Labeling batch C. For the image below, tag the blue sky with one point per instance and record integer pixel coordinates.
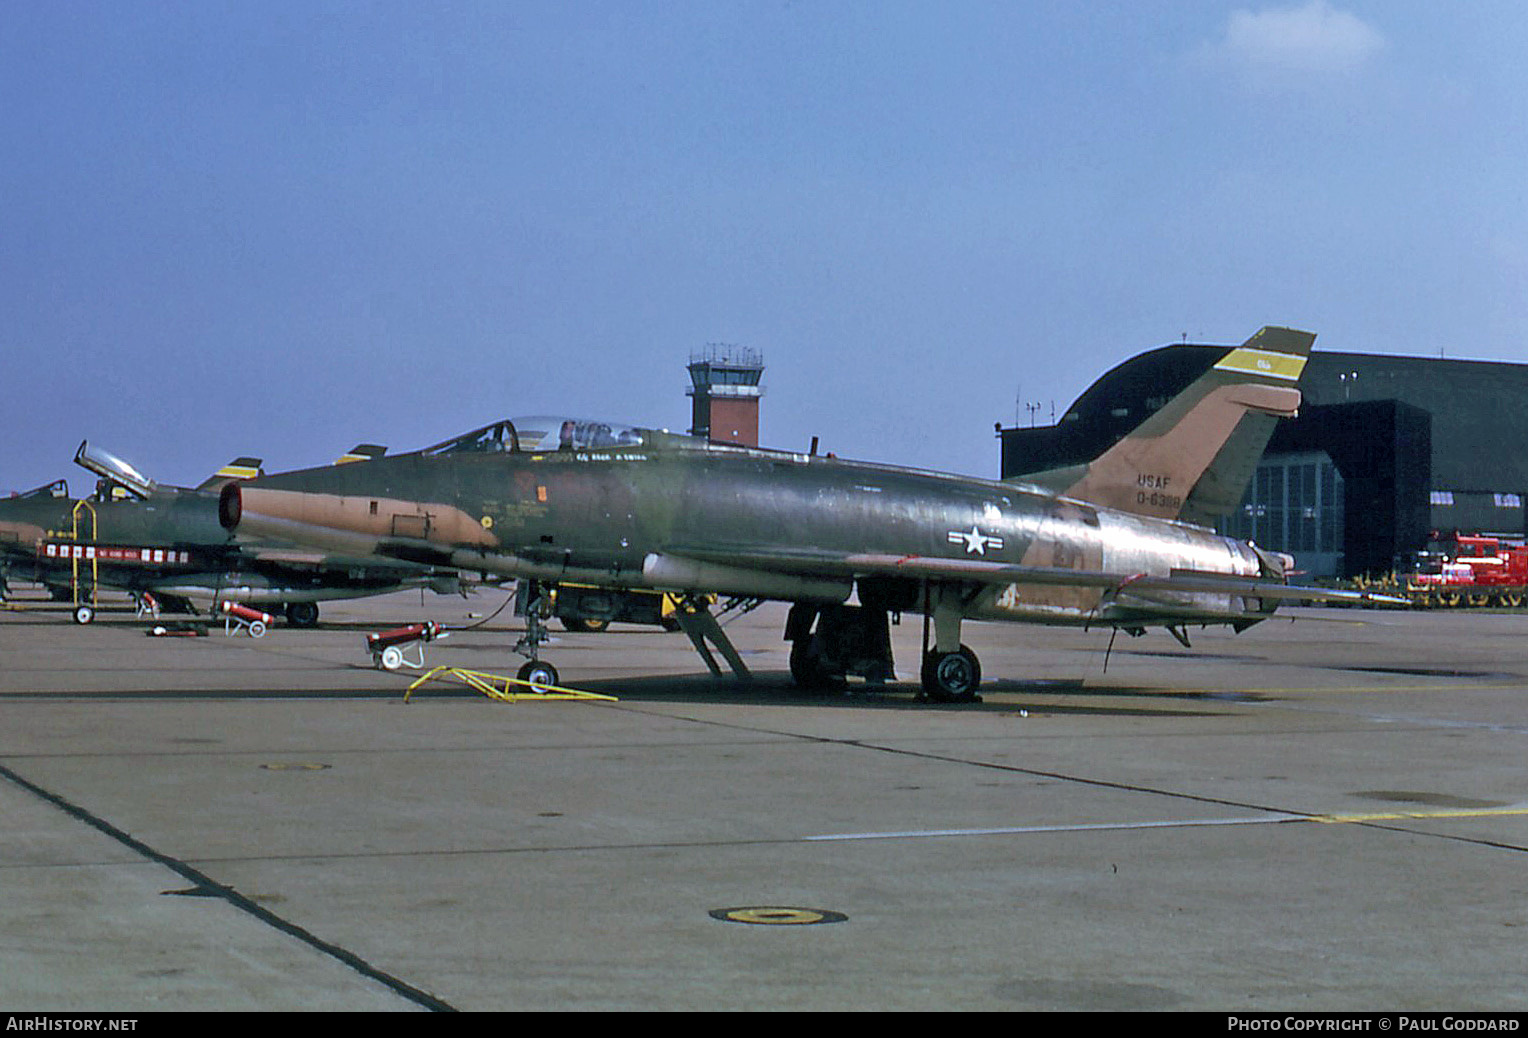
(284, 228)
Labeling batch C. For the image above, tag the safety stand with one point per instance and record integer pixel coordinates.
(242, 618)
(390, 649)
(148, 606)
(507, 689)
(696, 621)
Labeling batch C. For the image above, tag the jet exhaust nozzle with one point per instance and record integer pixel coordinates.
(230, 507)
(263, 513)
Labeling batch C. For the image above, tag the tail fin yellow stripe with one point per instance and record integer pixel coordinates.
(1247, 361)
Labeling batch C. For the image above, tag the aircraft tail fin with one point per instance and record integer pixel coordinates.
(361, 452)
(238, 468)
(1192, 460)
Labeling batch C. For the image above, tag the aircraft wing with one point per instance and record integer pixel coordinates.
(979, 571)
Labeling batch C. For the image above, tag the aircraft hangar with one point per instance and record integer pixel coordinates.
(1386, 451)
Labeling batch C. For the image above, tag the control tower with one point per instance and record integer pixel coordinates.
(725, 391)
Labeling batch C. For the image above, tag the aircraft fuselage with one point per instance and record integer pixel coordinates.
(737, 521)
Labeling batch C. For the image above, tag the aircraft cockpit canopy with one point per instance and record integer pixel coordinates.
(57, 488)
(541, 433)
(114, 470)
(490, 439)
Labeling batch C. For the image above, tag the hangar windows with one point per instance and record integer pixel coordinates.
(1294, 504)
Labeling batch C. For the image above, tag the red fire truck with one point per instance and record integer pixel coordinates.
(1459, 569)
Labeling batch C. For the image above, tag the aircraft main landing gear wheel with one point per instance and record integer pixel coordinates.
(809, 667)
(83, 614)
(302, 614)
(539, 675)
(952, 677)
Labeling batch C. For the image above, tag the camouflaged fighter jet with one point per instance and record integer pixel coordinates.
(164, 544)
(1117, 543)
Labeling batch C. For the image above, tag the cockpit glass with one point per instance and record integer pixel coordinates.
(541, 433)
(498, 437)
(57, 488)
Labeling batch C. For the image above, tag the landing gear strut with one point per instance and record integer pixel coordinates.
(849, 640)
(951, 672)
(537, 606)
(857, 640)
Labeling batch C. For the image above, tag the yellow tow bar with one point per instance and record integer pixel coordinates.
(497, 686)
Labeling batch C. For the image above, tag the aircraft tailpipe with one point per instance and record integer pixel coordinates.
(374, 519)
(287, 515)
(1275, 565)
(230, 507)
(671, 573)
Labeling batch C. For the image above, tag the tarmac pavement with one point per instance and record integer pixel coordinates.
(1324, 813)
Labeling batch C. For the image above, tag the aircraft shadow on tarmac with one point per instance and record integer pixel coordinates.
(776, 689)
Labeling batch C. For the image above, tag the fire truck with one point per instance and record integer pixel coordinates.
(1464, 570)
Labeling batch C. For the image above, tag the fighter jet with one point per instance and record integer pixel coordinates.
(164, 542)
(1119, 543)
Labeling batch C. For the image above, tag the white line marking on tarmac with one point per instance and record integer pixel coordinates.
(1273, 818)
(916, 834)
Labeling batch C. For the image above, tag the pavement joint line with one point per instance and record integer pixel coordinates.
(205, 885)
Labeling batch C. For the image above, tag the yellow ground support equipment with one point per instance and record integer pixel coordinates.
(506, 689)
(84, 599)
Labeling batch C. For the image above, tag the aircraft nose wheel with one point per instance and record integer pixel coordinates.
(539, 675)
(952, 677)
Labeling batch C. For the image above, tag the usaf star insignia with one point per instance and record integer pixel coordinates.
(975, 541)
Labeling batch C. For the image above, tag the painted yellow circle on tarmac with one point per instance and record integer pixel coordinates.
(776, 915)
